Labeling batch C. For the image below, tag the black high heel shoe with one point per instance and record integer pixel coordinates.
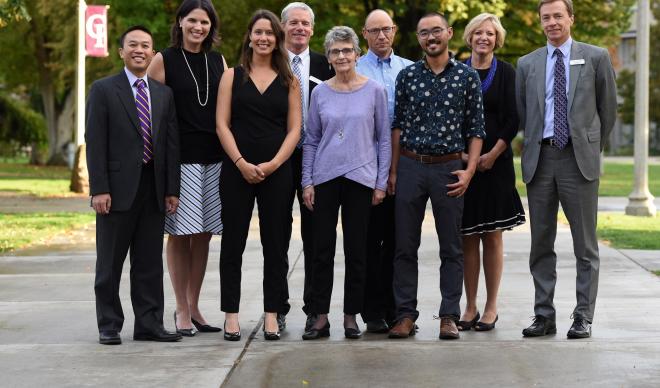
(313, 333)
(235, 336)
(205, 328)
(352, 333)
(271, 335)
(467, 325)
(481, 326)
(184, 332)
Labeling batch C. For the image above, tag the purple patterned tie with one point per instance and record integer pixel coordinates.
(142, 104)
(561, 102)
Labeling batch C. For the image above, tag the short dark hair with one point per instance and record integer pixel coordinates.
(176, 33)
(134, 28)
(434, 14)
(567, 3)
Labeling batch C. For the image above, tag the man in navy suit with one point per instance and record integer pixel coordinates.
(133, 160)
(311, 69)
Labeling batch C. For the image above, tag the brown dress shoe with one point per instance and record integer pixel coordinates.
(448, 329)
(403, 329)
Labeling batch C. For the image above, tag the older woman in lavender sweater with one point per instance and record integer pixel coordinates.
(346, 159)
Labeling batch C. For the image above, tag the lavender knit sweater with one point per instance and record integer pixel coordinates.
(347, 135)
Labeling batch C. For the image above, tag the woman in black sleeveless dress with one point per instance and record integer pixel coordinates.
(492, 203)
(258, 122)
(193, 72)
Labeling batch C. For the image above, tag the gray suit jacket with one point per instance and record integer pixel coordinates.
(591, 106)
(115, 145)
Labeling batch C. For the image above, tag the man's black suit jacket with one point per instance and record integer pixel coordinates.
(318, 68)
(115, 145)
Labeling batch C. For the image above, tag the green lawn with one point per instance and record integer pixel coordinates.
(627, 232)
(617, 181)
(623, 231)
(41, 181)
(20, 230)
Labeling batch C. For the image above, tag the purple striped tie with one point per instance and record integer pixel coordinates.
(142, 104)
(561, 131)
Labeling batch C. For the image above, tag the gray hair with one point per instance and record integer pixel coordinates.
(284, 17)
(341, 34)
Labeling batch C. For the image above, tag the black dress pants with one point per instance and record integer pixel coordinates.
(378, 294)
(355, 202)
(306, 232)
(140, 229)
(238, 197)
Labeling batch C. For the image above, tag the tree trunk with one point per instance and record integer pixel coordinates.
(46, 88)
(65, 124)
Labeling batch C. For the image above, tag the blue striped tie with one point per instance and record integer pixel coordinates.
(142, 104)
(297, 61)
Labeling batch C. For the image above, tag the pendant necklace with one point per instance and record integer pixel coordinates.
(206, 63)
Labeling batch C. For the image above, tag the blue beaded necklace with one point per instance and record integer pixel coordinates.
(485, 84)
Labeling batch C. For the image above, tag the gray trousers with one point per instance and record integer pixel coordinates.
(416, 183)
(558, 179)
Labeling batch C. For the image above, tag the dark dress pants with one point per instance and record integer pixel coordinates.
(558, 179)
(416, 183)
(378, 294)
(355, 202)
(306, 232)
(238, 197)
(140, 229)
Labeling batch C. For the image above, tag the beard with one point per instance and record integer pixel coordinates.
(435, 52)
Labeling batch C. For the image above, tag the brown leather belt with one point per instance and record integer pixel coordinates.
(430, 159)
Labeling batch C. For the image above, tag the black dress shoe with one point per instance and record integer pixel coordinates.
(581, 328)
(281, 322)
(184, 332)
(541, 326)
(313, 333)
(467, 325)
(311, 320)
(235, 336)
(482, 326)
(352, 333)
(205, 328)
(377, 326)
(109, 337)
(158, 335)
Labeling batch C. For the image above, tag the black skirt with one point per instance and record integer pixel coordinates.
(492, 201)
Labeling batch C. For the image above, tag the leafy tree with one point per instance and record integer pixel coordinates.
(12, 10)
(39, 54)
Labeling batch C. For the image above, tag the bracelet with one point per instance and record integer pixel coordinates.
(308, 186)
(236, 161)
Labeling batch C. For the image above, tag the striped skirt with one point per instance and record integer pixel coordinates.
(199, 201)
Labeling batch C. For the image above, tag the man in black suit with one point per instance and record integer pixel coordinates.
(133, 160)
(311, 69)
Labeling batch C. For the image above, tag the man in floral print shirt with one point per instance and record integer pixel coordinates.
(438, 111)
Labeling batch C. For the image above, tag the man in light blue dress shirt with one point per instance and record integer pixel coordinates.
(381, 65)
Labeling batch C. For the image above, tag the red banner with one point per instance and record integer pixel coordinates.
(96, 31)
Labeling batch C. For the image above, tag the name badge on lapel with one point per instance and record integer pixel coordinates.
(576, 62)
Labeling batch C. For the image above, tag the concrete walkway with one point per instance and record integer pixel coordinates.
(48, 330)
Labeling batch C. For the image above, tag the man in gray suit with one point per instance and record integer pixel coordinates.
(566, 95)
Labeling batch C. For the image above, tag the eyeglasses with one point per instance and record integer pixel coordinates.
(345, 51)
(437, 31)
(376, 31)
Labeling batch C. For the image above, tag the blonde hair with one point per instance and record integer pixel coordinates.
(473, 25)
